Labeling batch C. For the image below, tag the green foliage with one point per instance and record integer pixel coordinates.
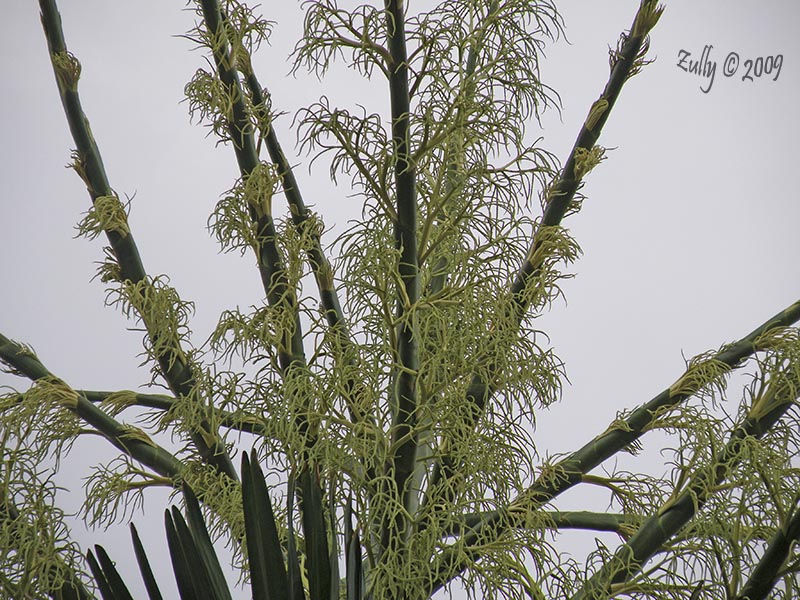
(392, 404)
(38, 560)
(197, 567)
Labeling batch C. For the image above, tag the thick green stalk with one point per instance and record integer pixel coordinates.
(319, 263)
(676, 513)
(320, 266)
(628, 60)
(765, 574)
(142, 449)
(157, 401)
(270, 263)
(558, 520)
(404, 434)
(163, 402)
(172, 361)
(274, 278)
(571, 469)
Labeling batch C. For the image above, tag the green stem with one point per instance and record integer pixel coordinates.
(320, 266)
(571, 469)
(146, 452)
(676, 513)
(270, 263)
(323, 274)
(765, 574)
(162, 402)
(172, 361)
(291, 355)
(404, 434)
(157, 401)
(558, 520)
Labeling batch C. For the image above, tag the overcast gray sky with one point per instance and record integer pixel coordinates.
(689, 233)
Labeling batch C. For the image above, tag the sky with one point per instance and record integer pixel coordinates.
(689, 231)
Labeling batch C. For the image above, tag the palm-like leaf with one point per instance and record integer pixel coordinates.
(144, 566)
(275, 572)
(108, 579)
(267, 571)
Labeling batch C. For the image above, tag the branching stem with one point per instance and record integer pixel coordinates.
(146, 452)
(173, 362)
(571, 469)
(678, 511)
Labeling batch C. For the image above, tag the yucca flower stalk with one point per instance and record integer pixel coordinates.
(384, 399)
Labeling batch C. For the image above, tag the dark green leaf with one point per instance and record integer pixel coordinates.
(204, 546)
(333, 556)
(197, 568)
(150, 584)
(99, 577)
(318, 570)
(113, 577)
(267, 571)
(180, 565)
(354, 570)
(295, 578)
